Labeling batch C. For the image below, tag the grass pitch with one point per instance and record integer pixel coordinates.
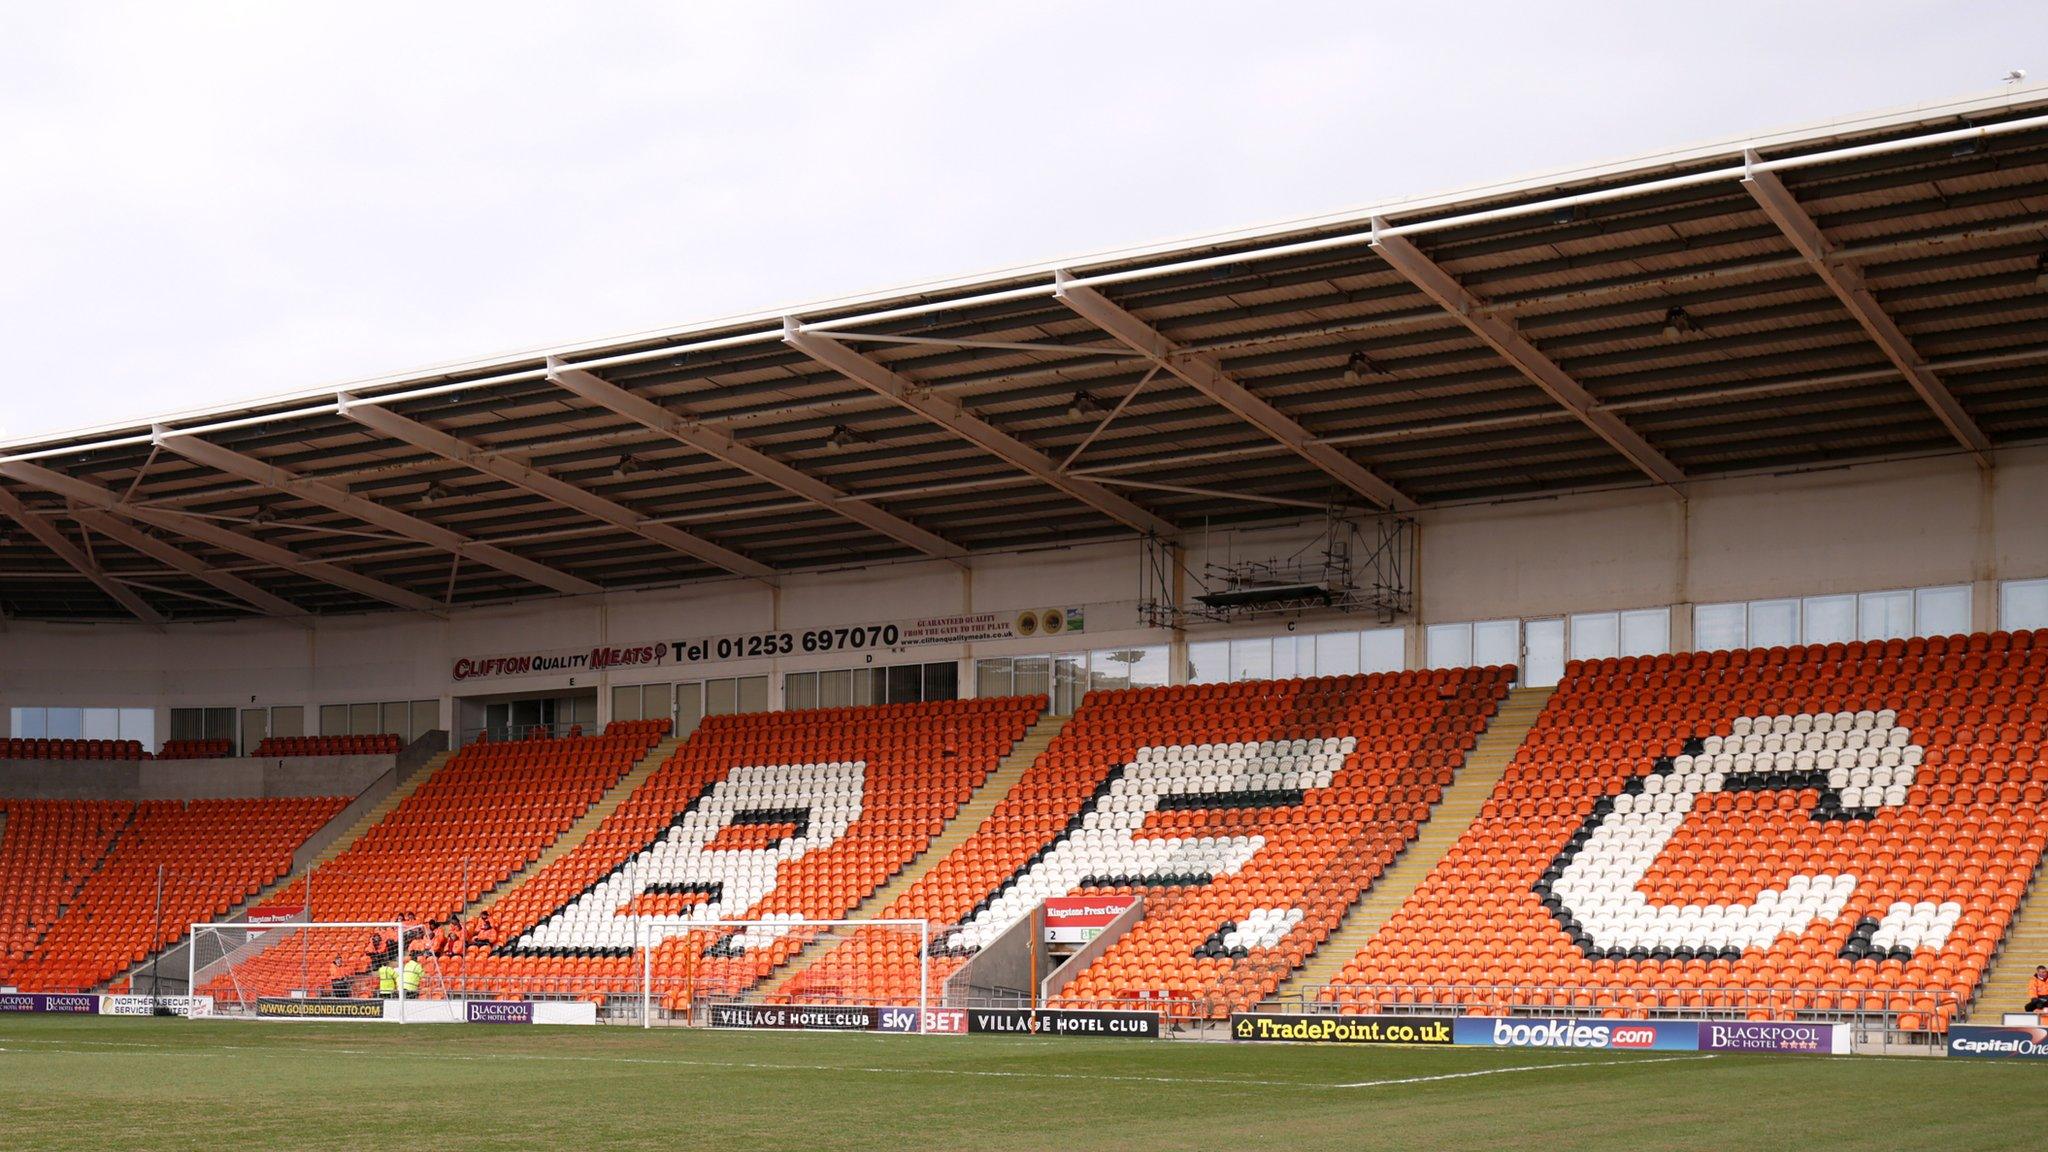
(170, 1084)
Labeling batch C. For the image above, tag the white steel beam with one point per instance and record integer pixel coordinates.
(554, 488)
(92, 495)
(952, 416)
(1206, 376)
(119, 530)
(721, 445)
(54, 539)
(391, 520)
(1846, 281)
(1405, 258)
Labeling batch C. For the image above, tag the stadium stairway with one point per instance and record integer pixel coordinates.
(1453, 814)
(598, 814)
(2026, 945)
(78, 886)
(173, 958)
(964, 824)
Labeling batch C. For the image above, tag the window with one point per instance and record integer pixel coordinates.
(1827, 619)
(1720, 627)
(1127, 668)
(1884, 615)
(642, 701)
(202, 724)
(137, 724)
(1646, 632)
(407, 719)
(1450, 645)
(1382, 650)
(724, 697)
(1337, 653)
(1773, 623)
(1207, 662)
(892, 684)
(1251, 659)
(1596, 636)
(1891, 614)
(1941, 611)
(1544, 642)
(2023, 605)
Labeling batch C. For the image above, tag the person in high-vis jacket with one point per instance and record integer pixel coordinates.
(2037, 990)
(410, 979)
(387, 980)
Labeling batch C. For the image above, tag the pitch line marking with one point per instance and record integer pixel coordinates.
(761, 1066)
(1624, 1062)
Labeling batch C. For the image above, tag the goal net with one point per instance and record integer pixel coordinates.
(257, 969)
(702, 971)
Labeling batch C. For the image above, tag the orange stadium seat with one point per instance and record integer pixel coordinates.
(1249, 815)
(212, 854)
(767, 817)
(383, 744)
(37, 748)
(491, 810)
(195, 749)
(47, 850)
(1826, 829)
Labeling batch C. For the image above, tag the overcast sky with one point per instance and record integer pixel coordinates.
(204, 203)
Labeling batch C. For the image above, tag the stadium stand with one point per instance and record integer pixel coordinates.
(490, 810)
(212, 854)
(768, 816)
(1829, 830)
(196, 749)
(383, 744)
(48, 849)
(31, 748)
(1250, 815)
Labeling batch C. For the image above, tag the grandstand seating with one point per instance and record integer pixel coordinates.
(213, 854)
(490, 811)
(768, 816)
(36, 748)
(1250, 816)
(1829, 829)
(195, 749)
(382, 744)
(48, 848)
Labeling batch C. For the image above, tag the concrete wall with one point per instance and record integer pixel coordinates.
(190, 779)
(1861, 528)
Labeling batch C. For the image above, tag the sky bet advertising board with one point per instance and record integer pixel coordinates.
(1624, 1035)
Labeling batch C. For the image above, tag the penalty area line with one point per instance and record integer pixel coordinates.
(1622, 1063)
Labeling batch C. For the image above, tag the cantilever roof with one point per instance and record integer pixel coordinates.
(1873, 288)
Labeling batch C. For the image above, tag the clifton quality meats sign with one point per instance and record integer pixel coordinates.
(888, 637)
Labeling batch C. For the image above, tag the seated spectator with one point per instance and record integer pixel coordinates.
(337, 978)
(2037, 990)
(483, 934)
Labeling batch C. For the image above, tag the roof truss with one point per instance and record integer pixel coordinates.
(1404, 257)
(721, 445)
(390, 519)
(951, 415)
(381, 419)
(1845, 280)
(1206, 376)
(54, 539)
(92, 495)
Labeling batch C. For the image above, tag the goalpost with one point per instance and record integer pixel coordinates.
(242, 964)
(677, 968)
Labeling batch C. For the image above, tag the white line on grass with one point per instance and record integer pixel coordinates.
(1625, 1062)
(82, 1045)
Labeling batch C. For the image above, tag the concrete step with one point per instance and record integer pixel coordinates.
(173, 957)
(1473, 782)
(598, 814)
(2026, 945)
(965, 823)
